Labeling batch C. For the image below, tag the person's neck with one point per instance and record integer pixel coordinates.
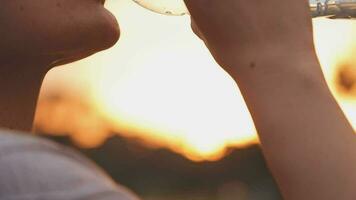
(20, 84)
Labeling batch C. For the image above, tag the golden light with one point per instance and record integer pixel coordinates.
(160, 84)
(336, 46)
(171, 90)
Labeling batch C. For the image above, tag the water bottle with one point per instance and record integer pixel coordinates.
(318, 8)
(333, 9)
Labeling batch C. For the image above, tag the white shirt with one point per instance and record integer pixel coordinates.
(36, 169)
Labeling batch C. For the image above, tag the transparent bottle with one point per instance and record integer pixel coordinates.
(318, 8)
(166, 7)
(333, 9)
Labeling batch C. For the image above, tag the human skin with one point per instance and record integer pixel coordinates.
(267, 47)
(306, 139)
(37, 35)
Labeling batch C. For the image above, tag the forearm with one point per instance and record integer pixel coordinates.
(307, 141)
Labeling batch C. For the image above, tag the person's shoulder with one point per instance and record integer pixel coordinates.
(35, 168)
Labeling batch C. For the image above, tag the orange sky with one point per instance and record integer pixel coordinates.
(160, 81)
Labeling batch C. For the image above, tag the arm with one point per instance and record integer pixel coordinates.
(307, 141)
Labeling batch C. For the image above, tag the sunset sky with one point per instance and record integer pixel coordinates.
(160, 82)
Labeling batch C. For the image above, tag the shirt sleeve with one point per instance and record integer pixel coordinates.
(36, 169)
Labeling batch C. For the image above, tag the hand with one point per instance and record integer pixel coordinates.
(267, 46)
(235, 30)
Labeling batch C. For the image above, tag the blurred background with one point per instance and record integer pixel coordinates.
(162, 118)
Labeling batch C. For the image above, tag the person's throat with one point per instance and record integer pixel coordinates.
(20, 84)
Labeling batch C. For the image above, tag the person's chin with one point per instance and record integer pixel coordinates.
(70, 59)
(108, 30)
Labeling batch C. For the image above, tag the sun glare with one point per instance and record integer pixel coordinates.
(159, 83)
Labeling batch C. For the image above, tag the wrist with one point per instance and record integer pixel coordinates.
(273, 61)
(281, 69)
